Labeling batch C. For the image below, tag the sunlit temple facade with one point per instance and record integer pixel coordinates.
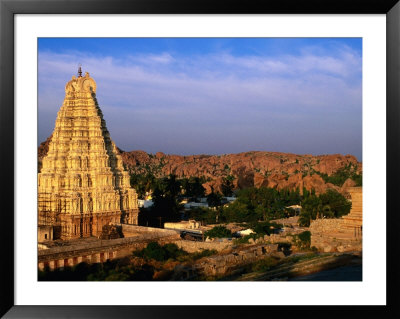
(82, 184)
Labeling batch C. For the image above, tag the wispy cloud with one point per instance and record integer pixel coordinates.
(214, 90)
(146, 59)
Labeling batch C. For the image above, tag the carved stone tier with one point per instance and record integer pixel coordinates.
(82, 184)
(354, 218)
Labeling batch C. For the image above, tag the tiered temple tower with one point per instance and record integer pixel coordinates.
(353, 220)
(82, 184)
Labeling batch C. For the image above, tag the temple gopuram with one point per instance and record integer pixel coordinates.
(82, 185)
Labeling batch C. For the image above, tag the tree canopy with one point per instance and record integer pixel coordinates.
(331, 204)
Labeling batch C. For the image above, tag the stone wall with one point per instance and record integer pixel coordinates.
(195, 246)
(354, 219)
(101, 250)
(326, 225)
(227, 263)
(134, 231)
(329, 235)
(45, 233)
(333, 244)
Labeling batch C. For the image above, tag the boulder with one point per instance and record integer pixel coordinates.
(340, 249)
(278, 254)
(328, 249)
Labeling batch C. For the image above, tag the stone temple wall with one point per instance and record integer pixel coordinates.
(320, 226)
(354, 219)
(82, 184)
(340, 234)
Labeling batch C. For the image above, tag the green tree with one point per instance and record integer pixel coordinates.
(256, 204)
(305, 219)
(264, 228)
(304, 240)
(338, 205)
(214, 199)
(202, 214)
(160, 253)
(193, 187)
(311, 209)
(227, 186)
(165, 198)
(142, 183)
(238, 212)
(331, 204)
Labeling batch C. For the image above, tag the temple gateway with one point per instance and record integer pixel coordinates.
(82, 185)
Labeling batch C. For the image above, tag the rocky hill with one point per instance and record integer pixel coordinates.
(270, 169)
(280, 170)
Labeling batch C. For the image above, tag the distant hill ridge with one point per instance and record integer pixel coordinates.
(247, 169)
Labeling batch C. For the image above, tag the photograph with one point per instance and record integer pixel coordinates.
(200, 159)
(175, 158)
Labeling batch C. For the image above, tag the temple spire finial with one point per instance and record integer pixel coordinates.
(79, 71)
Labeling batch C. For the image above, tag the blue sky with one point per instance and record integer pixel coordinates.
(214, 95)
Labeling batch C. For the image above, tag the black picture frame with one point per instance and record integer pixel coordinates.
(9, 8)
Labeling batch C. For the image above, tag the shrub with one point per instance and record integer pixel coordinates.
(109, 271)
(203, 253)
(265, 228)
(245, 239)
(283, 246)
(160, 253)
(265, 264)
(218, 232)
(314, 249)
(303, 240)
(173, 251)
(154, 251)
